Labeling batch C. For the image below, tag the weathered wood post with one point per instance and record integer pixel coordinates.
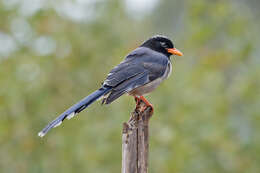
(135, 140)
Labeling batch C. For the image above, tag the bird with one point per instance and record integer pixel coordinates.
(138, 74)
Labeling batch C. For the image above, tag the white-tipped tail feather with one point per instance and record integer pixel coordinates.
(77, 108)
(71, 115)
(41, 134)
(58, 124)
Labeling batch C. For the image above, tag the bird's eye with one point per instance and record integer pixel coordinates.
(163, 44)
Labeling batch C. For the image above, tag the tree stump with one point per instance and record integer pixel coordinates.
(135, 140)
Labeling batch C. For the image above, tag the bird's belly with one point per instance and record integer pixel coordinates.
(149, 87)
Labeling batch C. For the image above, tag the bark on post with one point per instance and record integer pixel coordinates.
(135, 140)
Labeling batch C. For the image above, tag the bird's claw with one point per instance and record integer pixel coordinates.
(147, 103)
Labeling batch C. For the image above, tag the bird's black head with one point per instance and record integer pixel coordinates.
(161, 44)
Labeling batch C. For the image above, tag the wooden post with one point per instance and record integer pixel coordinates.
(135, 140)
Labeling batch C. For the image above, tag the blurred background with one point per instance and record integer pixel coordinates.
(53, 53)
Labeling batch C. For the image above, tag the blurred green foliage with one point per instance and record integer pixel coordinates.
(53, 53)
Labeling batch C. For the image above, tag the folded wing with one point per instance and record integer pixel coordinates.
(138, 69)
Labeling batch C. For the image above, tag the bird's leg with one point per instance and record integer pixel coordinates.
(137, 100)
(147, 103)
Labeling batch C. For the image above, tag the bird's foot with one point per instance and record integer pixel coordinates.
(147, 103)
(137, 100)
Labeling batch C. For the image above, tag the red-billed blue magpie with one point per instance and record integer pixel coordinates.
(139, 73)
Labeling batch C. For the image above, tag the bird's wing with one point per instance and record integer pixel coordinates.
(139, 68)
(128, 68)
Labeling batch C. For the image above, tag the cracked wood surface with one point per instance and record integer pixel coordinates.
(135, 140)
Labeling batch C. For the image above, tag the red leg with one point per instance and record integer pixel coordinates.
(137, 100)
(148, 104)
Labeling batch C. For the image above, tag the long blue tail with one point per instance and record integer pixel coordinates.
(77, 108)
